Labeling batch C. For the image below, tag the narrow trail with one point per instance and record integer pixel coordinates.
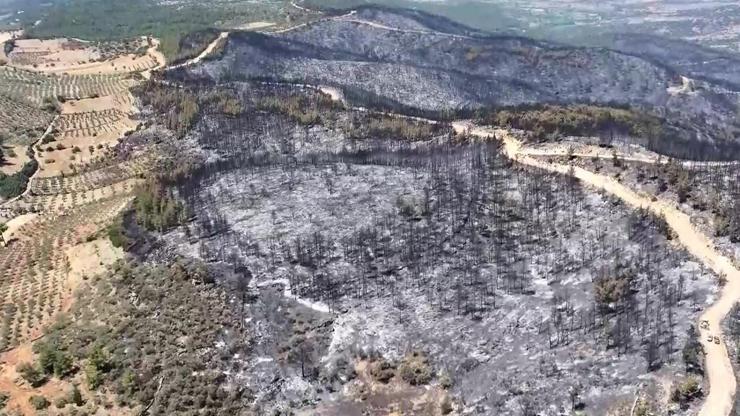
(719, 371)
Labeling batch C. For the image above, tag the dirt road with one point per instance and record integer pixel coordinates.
(206, 52)
(719, 370)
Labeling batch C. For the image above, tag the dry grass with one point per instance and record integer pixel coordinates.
(73, 57)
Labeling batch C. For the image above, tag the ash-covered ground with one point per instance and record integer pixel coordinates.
(400, 59)
(355, 251)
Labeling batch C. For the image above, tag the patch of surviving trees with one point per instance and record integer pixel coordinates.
(154, 345)
(708, 187)
(464, 221)
(674, 135)
(670, 136)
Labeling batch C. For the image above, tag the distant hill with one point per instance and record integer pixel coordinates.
(430, 63)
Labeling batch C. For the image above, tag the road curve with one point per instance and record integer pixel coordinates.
(205, 53)
(719, 371)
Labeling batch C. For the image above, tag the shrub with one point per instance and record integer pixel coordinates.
(60, 403)
(685, 391)
(382, 370)
(51, 104)
(414, 369)
(54, 361)
(75, 396)
(98, 363)
(547, 121)
(612, 289)
(116, 235)
(727, 223)
(14, 185)
(31, 374)
(39, 402)
(156, 209)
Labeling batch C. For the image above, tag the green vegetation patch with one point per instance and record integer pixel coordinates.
(104, 20)
(157, 209)
(20, 121)
(14, 185)
(179, 107)
(552, 121)
(146, 332)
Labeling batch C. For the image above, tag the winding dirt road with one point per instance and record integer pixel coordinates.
(719, 371)
(206, 52)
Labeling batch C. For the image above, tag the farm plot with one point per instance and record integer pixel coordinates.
(91, 123)
(51, 53)
(81, 184)
(35, 282)
(61, 55)
(38, 88)
(20, 122)
(82, 138)
(91, 179)
(62, 202)
(122, 102)
(121, 65)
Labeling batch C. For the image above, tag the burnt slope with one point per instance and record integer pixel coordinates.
(687, 58)
(408, 61)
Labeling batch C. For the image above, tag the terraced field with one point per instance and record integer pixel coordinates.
(90, 179)
(75, 57)
(20, 122)
(34, 267)
(35, 87)
(90, 123)
(79, 188)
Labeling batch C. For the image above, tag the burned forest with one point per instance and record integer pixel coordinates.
(340, 208)
(383, 236)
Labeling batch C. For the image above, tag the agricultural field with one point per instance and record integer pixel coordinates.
(40, 89)
(66, 56)
(67, 127)
(35, 286)
(21, 123)
(80, 139)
